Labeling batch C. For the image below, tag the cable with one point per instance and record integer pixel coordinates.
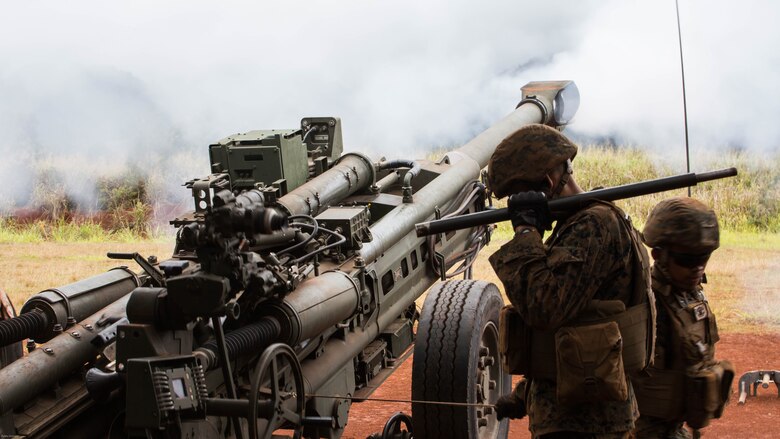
(685, 102)
(412, 401)
(308, 239)
(341, 240)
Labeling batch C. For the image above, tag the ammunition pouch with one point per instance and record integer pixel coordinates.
(661, 393)
(531, 352)
(590, 364)
(514, 341)
(674, 395)
(707, 393)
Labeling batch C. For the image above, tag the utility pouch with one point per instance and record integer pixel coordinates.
(590, 364)
(707, 393)
(660, 393)
(514, 341)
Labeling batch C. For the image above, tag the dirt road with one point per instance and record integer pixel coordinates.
(759, 417)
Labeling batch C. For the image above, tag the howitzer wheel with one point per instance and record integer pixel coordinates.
(278, 367)
(456, 360)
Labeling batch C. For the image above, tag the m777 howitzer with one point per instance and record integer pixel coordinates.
(290, 295)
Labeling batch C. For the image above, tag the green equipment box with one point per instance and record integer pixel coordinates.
(270, 157)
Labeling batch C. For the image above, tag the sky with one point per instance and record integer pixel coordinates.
(94, 88)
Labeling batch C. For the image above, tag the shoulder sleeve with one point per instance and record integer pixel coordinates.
(550, 286)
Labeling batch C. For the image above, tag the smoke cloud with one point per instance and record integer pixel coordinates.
(94, 88)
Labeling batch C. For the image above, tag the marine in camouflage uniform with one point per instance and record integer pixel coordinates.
(682, 233)
(588, 256)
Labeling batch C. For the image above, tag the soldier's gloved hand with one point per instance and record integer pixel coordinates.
(510, 406)
(530, 209)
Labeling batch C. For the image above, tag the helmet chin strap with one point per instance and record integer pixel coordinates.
(563, 181)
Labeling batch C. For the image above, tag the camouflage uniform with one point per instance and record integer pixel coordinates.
(690, 225)
(648, 426)
(590, 255)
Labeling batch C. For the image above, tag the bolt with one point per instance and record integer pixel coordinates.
(49, 351)
(57, 328)
(120, 367)
(88, 327)
(75, 334)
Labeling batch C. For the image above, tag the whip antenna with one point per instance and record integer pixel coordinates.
(685, 104)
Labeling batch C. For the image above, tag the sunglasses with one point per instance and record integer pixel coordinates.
(688, 260)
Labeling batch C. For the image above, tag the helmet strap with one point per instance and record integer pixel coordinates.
(564, 180)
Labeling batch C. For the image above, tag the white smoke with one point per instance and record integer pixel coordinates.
(94, 87)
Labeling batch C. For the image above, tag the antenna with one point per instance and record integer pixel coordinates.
(685, 103)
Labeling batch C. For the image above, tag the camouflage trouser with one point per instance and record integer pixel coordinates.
(575, 435)
(655, 428)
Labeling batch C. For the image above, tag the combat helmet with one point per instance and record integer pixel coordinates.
(526, 156)
(683, 222)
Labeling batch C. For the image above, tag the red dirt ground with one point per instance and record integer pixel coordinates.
(758, 418)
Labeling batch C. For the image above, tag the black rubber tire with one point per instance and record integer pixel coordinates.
(459, 320)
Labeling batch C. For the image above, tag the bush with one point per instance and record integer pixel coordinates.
(125, 202)
(49, 196)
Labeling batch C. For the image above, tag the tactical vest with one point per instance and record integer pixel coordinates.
(604, 341)
(691, 386)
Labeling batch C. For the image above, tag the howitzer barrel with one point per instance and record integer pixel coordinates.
(66, 305)
(577, 201)
(466, 161)
(21, 381)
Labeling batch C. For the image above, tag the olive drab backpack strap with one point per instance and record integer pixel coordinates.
(642, 286)
(643, 290)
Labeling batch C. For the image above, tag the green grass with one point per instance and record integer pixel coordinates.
(749, 202)
(62, 231)
(750, 240)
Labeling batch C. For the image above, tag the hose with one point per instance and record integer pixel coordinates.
(27, 325)
(414, 169)
(254, 337)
